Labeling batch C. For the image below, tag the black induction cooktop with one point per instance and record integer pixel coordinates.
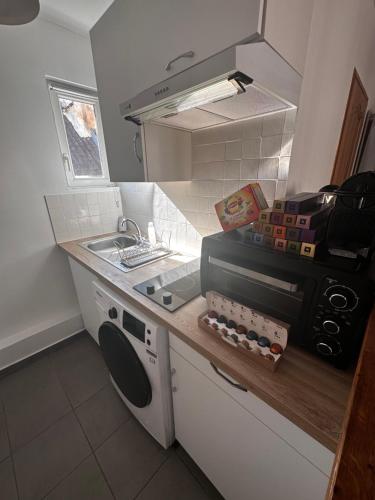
(173, 288)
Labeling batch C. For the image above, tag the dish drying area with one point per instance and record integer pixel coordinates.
(126, 252)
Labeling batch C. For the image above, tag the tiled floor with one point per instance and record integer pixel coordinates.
(65, 434)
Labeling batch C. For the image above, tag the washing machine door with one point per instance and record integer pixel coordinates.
(124, 365)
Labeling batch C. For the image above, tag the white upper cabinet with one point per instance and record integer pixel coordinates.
(134, 41)
(287, 27)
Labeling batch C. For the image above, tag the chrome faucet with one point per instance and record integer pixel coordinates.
(123, 226)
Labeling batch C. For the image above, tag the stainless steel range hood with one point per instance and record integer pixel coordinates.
(241, 82)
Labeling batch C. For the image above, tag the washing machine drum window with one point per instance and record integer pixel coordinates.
(124, 365)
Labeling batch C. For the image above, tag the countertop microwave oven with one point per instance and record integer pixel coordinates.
(326, 300)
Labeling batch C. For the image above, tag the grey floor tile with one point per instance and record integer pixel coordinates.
(8, 489)
(86, 482)
(102, 414)
(4, 442)
(25, 379)
(202, 479)
(49, 458)
(31, 412)
(173, 481)
(80, 347)
(81, 369)
(129, 458)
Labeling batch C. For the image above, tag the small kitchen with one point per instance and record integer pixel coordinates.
(187, 216)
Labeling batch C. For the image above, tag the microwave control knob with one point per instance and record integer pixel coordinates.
(324, 349)
(167, 298)
(331, 326)
(338, 301)
(327, 346)
(342, 297)
(112, 313)
(150, 289)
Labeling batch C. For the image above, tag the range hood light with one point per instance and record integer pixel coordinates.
(215, 92)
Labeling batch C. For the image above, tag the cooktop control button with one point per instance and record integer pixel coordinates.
(150, 289)
(167, 298)
(112, 313)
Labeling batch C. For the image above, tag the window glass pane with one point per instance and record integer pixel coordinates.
(82, 135)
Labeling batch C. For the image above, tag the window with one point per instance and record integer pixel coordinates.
(80, 134)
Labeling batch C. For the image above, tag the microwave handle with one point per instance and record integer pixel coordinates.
(233, 384)
(249, 273)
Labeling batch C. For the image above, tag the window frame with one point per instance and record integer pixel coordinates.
(88, 96)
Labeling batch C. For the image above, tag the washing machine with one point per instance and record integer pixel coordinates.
(136, 352)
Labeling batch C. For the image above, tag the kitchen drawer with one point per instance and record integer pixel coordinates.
(307, 446)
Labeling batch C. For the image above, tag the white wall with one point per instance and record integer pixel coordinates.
(36, 285)
(342, 37)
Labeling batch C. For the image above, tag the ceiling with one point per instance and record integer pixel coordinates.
(76, 15)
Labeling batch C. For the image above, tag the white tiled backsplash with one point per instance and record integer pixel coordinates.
(83, 214)
(225, 158)
(146, 202)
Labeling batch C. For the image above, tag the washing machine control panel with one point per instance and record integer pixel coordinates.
(129, 319)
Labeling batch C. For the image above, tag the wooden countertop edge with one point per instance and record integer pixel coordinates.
(353, 472)
(300, 421)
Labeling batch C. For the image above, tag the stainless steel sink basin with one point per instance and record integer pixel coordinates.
(106, 245)
(124, 252)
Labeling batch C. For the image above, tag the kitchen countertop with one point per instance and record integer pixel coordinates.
(310, 393)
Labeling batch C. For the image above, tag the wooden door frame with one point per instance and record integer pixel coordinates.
(338, 175)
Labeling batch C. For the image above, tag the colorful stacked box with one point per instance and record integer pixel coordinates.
(294, 225)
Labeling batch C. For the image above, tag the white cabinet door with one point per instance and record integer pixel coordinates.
(287, 29)
(83, 280)
(241, 456)
(132, 44)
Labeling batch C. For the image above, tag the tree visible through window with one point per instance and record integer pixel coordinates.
(80, 134)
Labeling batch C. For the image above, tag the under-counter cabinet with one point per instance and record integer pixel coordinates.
(83, 280)
(133, 43)
(246, 448)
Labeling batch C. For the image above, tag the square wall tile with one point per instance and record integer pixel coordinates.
(268, 168)
(271, 146)
(249, 169)
(211, 170)
(232, 169)
(281, 189)
(273, 124)
(286, 145)
(251, 148)
(268, 188)
(283, 168)
(252, 128)
(207, 153)
(233, 150)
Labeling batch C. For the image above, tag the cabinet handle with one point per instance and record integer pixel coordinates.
(233, 384)
(173, 371)
(135, 140)
(189, 53)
